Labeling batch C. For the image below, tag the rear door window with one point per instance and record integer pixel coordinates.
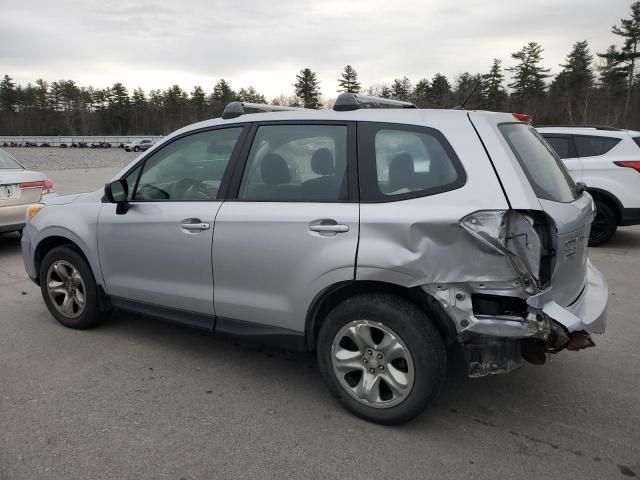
(562, 144)
(540, 163)
(592, 146)
(637, 140)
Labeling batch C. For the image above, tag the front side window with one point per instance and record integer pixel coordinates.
(402, 162)
(592, 146)
(188, 169)
(542, 166)
(296, 163)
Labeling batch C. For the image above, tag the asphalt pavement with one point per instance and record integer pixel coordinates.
(141, 399)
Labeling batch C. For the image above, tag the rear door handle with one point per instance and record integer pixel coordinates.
(337, 228)
(196, 227)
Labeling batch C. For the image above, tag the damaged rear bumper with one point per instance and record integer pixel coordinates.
(587, 313)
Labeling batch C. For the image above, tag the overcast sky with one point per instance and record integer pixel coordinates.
(265, 43)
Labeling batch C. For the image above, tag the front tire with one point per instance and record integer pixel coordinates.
(604, 225)
(381, 357)
(69, 289)
(136, 149)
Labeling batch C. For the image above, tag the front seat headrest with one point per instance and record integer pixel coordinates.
(322, 162)
(274, 170)
(401, 171)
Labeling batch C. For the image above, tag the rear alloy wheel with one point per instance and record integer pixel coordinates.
(604, 225)
(381, 357)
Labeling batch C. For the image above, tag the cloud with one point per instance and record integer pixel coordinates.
(265, 43)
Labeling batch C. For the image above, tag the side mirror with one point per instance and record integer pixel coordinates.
(117, 192)
(581, 188)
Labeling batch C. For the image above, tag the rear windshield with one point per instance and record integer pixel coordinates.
(542, 166)
(7, 161)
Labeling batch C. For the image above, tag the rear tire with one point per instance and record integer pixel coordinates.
(69, 289)
(395, 366)
(604, 225)
(136, 149)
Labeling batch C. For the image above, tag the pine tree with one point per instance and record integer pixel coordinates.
(574, 84)
(8, 94)
(528, 76)
(421, 93)
(401, 89)
(251, 95)
(629, 30)
(198, 101)
(307, 88)
(221, 96)
(348, 80)
(440, 91)
(493, 91)
(467, 88)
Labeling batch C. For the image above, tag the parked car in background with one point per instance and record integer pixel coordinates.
(19, 188)
(138, 145)
(607, 161)
(372, 237)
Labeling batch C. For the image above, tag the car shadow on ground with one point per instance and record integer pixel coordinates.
(9, 244)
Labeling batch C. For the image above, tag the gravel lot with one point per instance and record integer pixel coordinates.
(142, 399)
(45, 159)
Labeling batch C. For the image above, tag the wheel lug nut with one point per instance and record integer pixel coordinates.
(380, 355)
(369, 352)
(364, 360)
(381, 367)
(373, 370)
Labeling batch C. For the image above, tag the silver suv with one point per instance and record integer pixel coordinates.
(374, 237)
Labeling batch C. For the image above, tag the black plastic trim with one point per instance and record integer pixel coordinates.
(630, 216)
(173, 315)
(265, 334)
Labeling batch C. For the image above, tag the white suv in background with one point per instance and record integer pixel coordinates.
(607, 161)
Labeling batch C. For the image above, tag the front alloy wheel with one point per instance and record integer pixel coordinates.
(372, 363)
(66, 289)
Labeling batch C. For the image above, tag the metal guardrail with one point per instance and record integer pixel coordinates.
(68, 140)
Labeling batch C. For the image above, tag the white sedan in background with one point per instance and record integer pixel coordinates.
(19, 188)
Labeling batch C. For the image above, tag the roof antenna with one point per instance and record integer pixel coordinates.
(461, 106)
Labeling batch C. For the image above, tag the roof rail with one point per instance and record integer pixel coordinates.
(354, 101)
(235, 109)
(596, 127)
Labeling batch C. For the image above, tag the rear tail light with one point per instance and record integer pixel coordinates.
(635, 164)
(46, 186)
(523, 117)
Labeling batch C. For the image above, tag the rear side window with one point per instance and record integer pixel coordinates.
(296, 163)
(562, 145)
(591, 146)
(402, 161)
(637, 140)
(542, 166)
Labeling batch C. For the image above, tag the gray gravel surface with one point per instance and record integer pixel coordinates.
(137, 398)
(45, 159)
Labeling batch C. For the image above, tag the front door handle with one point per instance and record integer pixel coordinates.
(337, 228)
(195, 226)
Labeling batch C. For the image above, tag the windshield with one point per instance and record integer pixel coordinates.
(542, 166)
(7, 161)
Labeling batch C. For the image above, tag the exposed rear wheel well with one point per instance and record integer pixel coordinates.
(335, 294)
(610, 200)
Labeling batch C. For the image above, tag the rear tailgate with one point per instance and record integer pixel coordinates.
(534, 178)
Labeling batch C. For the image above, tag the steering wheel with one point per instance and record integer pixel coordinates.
(191, 189)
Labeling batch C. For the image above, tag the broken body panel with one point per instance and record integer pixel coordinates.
(510, 269)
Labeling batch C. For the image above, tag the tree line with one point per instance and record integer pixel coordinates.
(602, 89)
